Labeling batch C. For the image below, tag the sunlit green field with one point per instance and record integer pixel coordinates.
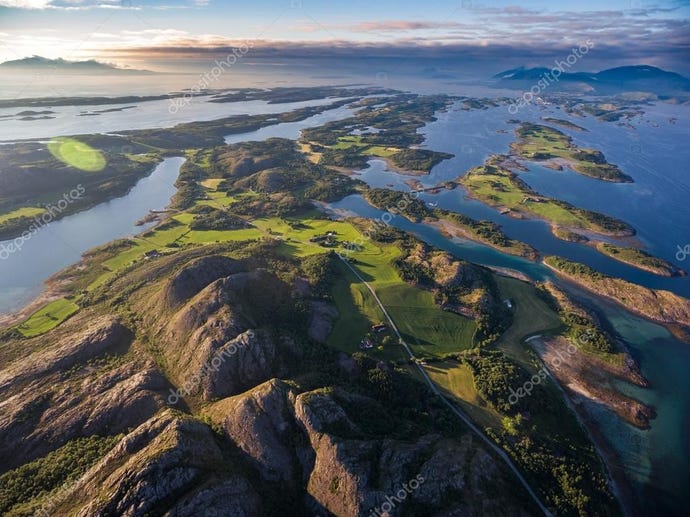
(497, 189)
(48, 317)
(27, 211)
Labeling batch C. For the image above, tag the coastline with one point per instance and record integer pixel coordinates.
(678, 330)
(51, 291)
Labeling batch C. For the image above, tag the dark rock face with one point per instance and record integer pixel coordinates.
(43, 408)
(215, 344)
(307, 441)
(169, 463)
(197, 275)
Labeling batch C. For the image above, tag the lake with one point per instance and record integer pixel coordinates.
(62, 242)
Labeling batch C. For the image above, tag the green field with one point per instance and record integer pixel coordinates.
(457, 381)
(358, 311)
(27, 211)
(48, 317)
(424, 326)
(531, 316)
(355, 143)
(500, 188)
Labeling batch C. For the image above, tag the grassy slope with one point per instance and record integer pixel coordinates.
(531, 316)
(27, 211)
(47, 317)
(638, 258)
(541, 143)
(500, 188)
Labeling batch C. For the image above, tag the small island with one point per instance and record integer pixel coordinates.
(546, 144)
(663, 307)
(564, 123)
(640, 259)
(496, 185)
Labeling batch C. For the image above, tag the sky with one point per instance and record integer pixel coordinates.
(155, 34)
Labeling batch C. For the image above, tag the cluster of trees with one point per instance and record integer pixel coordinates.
(497, 378)
(418, 159)
(573, 268)
(320, 270)
(586, 334)
(402, 202)
(487, 230)
(331, 187)
(209, 218)
(42, 476)
(347, 158)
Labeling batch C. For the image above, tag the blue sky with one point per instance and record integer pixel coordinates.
(134, 32)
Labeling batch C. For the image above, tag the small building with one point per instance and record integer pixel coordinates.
(152, 254)
(381, 327)
(366, 344)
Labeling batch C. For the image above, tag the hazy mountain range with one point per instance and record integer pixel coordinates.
(640, 78)
(91, 65)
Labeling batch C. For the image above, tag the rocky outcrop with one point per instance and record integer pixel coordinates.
(103, 334)
(321, 321)
(170, 465)
(52, 410)
(215, 344)
(197, 275)
(311, 440)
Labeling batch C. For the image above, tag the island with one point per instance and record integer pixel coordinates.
(556, 149)
(640, 259)
(663, 307)
(497, 185)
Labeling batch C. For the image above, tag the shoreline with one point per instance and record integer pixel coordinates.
(678, 330)
(51, 291)
(618, 482)
(448, 228)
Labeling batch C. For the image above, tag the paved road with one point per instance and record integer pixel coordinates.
(451, 406)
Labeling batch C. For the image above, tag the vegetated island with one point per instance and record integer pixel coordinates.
(564, 123)
(453, 223)
(385, 128)
(640, 259)
(660, 306)
(495, 184)
(546, 144)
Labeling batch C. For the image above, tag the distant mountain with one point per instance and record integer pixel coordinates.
(90, 65)
(640, 78)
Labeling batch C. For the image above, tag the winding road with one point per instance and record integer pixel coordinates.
(450, 405)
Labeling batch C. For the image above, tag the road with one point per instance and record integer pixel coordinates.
(450, 405)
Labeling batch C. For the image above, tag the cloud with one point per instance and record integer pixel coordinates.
(25, 4)
(401, 25)
(69, 5)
